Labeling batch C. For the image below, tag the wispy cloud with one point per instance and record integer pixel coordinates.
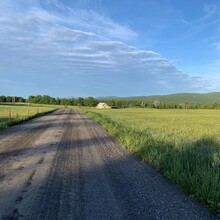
(51, 42)
(210, 18)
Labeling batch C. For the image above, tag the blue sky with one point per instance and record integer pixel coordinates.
(67, 48)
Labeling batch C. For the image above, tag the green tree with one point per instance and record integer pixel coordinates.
(66, 101)
(111, 103)
(53, 101)
(45, 99)
(120, 103)
(58, 101)
(37, 99)
(2, 98)
(8, 99)
(79, 101)
(90, 101)
(20, 99)
(31, 99)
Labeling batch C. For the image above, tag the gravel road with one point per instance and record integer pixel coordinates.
(65, 166)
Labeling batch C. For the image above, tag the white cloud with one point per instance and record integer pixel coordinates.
(99, 24)
(12, 83)
(37, 40)
(210, 18)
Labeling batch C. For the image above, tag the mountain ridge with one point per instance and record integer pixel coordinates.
(202, 98)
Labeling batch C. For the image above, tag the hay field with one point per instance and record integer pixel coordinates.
(15, 113)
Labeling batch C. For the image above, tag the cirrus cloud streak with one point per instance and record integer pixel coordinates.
(82, 53)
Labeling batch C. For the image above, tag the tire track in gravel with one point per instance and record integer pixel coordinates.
(24, 150)
(24, 143)
(18, 141)
(56, 197)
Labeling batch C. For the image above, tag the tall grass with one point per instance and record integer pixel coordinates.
(14, 114)
(184, 145)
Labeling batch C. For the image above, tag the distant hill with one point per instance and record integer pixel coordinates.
(206, 98)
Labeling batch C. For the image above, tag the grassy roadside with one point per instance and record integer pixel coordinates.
(183, 147)
(17, 113)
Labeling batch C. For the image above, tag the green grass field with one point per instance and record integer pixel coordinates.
(184, 145)
(14, 114)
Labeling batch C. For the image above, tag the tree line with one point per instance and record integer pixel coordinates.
(119, 103)
(160, 105)
(45, 99)
(92, 102)
(11, 99)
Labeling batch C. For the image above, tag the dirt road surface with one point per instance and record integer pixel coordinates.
(65, 166)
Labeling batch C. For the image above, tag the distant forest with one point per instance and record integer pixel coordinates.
(119, 103)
